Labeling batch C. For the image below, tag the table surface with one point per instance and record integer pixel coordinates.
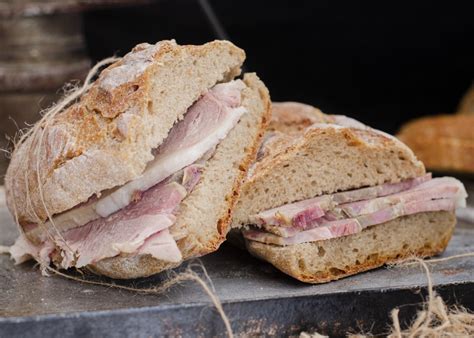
(257, 297)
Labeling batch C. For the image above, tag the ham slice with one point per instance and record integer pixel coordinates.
(404, 209)
(350, 226)
(422, 195)
(23, 250)
(298, 214)
(292, 231)
(303, 214)
(161, 246)
(191, 176)
(330, 230)
(124, 231)
(445, 187)
(379, 190)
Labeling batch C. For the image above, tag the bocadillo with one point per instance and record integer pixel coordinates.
(330, 197)
(144, 170)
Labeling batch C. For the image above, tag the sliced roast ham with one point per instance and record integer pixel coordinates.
(445, 187)
(298, 214)
(330, 230)
(191, 176)
(379, 190)
(351, 226)
(303, 214)
(124, 231)
(161, 246)
(23, 250)
(419, 196)
(289, 231)
(404, 209)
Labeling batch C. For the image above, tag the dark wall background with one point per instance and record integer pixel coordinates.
(383, 62)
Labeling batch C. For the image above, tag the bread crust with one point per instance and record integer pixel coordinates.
(195, 244)
(422, 235)
(106, 139)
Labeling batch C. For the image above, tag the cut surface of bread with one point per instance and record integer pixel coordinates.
(106, 139)
(423, 234)
(443, 143)
(204, 215)
(323, 159)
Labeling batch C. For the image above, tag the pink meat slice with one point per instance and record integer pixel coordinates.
(23, 250)
(161, 246)
(436, 194)
(203, 118)
(404, 209)
(124, 231)
(299, 214)
(290, 231)
(330, 230)
(303, 214)
(379, 190)
(445, 187)
(351, 226)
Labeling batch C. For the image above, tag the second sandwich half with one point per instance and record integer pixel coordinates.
(144, 170)
(330, 197)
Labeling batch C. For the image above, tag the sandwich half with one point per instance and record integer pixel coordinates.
(144, 170)
(330, 197)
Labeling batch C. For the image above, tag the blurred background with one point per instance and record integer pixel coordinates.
(383, 63)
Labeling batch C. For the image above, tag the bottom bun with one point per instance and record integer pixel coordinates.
(424, 234)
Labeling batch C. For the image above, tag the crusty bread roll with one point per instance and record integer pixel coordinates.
(108, 137)
(321, 160)
(335, 154)
(443, 142)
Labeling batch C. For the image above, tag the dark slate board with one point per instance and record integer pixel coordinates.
(257, 298)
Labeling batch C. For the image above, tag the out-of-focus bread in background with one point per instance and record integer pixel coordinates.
(443, 142)
(466, 106)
